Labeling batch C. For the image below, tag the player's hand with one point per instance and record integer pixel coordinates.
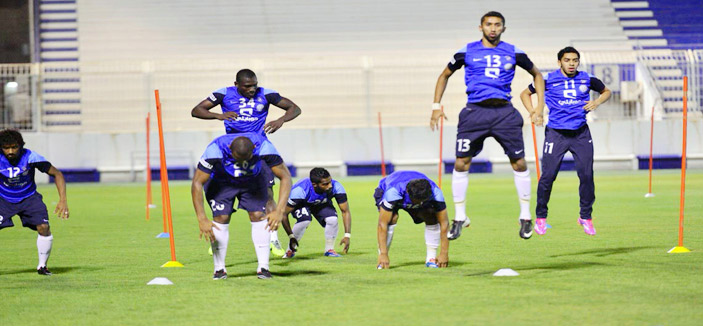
(228, 116)
(274, 219)
(434, 121)
(383, 261)
(61, 209)
(443, 259)
(206, 226)
(590, 106)
(293, 244)
(537, 119)
(272, 126)
(345, 242)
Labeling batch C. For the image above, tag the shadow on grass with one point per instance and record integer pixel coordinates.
(281, 273)
(54, 270)
(556, 266)
(604, 251)
(452, 263)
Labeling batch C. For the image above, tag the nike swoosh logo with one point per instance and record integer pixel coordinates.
(590, 141)
(518, 152)
(478, 59)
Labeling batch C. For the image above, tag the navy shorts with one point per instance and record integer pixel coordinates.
(31, 211)
(252, 195)
(320, 212)
(476, 123)
(419, 215)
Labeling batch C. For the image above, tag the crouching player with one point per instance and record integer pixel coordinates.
(237, 166)
(19, 196)
(423, 200)
(313, 197)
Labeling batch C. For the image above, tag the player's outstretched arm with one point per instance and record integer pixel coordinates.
(346, 217)
(62, 206)
(526, 98)
(384, 218)
(275, 217)
(202, 111)
(443, 259)
(292, 112)
(196, 191)
(438, 93)
(293, 245)
(538, 82)
(602, 98)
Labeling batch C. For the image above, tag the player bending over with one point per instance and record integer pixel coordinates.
(312, 197)
(423, 200)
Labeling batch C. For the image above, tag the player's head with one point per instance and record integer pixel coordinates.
(419, 190)
(321, 180)
(569, 60)
(246, 83)
(11, 142)
(492, 26)
(242, 149)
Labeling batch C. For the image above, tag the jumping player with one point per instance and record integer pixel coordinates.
(19, 196)
(312, 197)
(423, 200)
(237, 166)
(489, 68)
(568, 99)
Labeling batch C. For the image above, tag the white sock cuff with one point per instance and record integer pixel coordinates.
(525, 173)
(222, 227)
(432, 227)
(41, 237)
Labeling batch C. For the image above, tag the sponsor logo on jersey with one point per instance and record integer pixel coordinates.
(569, 102)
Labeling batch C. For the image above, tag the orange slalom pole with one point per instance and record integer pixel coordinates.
(683, 160)
(534, 142)
(166, 198)
(148, 169)
(380, 132)
(441, 141)
(651, 144)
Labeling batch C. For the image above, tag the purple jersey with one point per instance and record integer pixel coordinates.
(395, 195)
(488, 72)
(218, 161)
(17, 181)
(252, 111)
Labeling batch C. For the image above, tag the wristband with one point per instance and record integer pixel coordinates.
(436, 106)
(291, 236)
(347, 235)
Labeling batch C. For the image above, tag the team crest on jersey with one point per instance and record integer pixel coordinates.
(259, 107)
(583, 88)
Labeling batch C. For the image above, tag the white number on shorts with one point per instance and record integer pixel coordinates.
(462, 145)
(548, 147)
(301, 212)
(13, 171)
(215, 206)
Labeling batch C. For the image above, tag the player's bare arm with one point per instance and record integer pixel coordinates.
(196, 191)
(384, 218)
(438, 93)
(62, 206)
(526, 98)
(202, 111)
(346, 217)
(293, 245)
(538, 82)
(443, 219)
(275, 217)
(602, 98)
(292, 112)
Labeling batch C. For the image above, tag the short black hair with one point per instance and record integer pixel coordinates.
(244, 73)
(493, 14)
(419, 190)
(242, 147)
(11, 137)
(317, 174)
(568, 49)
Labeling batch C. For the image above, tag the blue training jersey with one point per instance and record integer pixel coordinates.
(17, 181)
(303, 194)
(488, 72)
(219, 163)
(395, 195)
(566, 96)
(252, 111)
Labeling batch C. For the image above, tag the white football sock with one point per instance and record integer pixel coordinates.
(523, 184)
(261, 238)
(219, 247)
(298, 230)
(274, 236)
(389, 236)
(460, 183)
(432, 241)
(331, 228)
(44, 249)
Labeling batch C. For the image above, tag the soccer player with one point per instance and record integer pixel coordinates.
(423, 200)
(19, 196)
(237, 166)
(568, 99)
(313, 197)
(489, 68)
(244, 109)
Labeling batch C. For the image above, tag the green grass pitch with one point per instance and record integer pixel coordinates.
(106, 253)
